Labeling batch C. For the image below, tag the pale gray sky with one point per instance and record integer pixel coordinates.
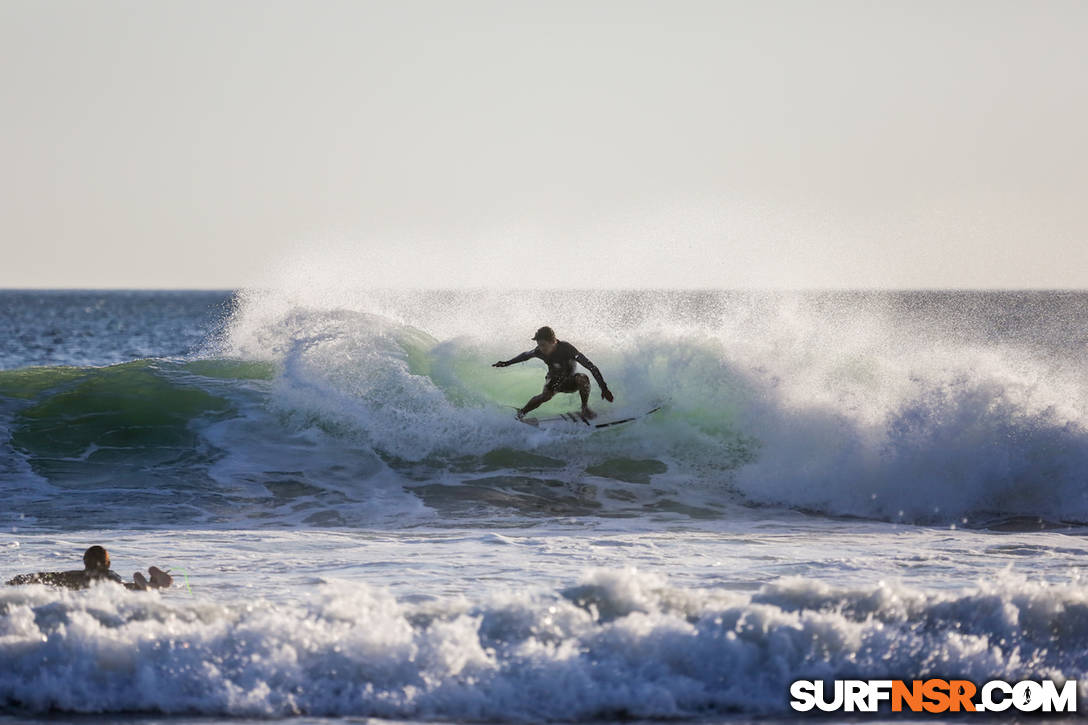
(544, 144)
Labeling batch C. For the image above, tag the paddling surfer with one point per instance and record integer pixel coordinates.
(561, 358)
(96, 568)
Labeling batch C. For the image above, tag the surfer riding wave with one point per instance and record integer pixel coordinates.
(561, 358)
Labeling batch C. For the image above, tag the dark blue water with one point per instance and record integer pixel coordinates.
(70, 327)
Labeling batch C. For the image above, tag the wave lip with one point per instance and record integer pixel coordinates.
(620, 644)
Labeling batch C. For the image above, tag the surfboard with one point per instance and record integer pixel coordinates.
(578, 419)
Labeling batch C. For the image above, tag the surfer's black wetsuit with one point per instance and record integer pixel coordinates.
(561, 367)
(83, 578)
(76, 579)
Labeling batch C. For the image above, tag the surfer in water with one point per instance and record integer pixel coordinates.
(96, 567)
(561, 357)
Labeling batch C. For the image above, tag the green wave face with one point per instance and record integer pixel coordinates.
(84, 427)
(28, 383)
(156, 442)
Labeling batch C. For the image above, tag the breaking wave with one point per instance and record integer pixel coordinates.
(340, 409)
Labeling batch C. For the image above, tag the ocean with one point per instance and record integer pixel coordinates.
(839, 485)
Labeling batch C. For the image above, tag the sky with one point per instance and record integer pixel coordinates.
(509, 144)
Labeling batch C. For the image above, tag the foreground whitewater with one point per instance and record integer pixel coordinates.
(840, 485)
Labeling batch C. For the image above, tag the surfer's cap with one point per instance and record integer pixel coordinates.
(544, 333)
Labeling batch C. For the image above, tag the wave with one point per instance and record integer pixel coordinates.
(165, 442)
(618, 644)
(916, 408)
(323, 410)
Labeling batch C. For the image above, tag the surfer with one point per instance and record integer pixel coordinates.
(96, 567)
(560, 356)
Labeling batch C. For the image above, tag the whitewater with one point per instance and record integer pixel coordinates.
(839, 485)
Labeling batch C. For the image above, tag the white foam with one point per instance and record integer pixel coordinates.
(620, 643)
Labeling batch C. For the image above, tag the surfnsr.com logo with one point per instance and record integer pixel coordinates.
(934, 696)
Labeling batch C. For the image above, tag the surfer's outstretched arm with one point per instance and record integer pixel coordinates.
(588, 365)
(527, 355)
